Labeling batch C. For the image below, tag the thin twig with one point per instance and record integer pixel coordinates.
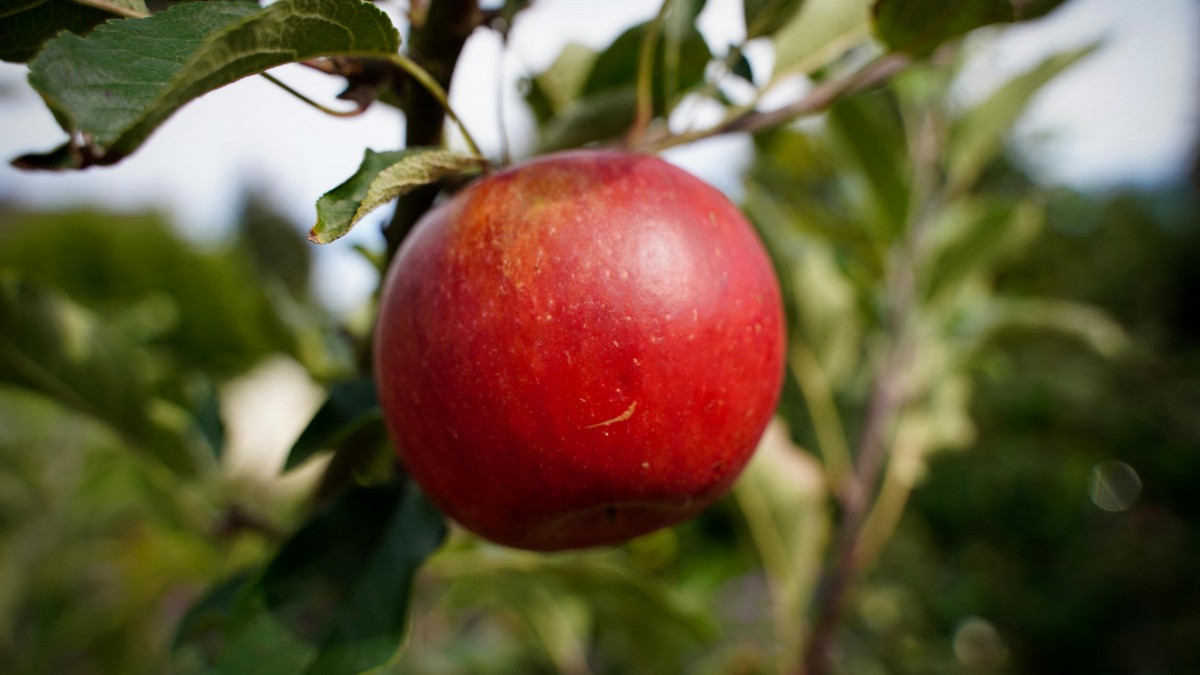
(325, 109)
(889, 395)
(645, 76)
(431, 85)
(821, 97)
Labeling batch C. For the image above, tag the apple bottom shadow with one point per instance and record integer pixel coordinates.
(604, 524)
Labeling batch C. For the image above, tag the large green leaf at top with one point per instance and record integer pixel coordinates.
(52, 346)
(25, 25)
(918, 27)
(335, 599)
(112, 89)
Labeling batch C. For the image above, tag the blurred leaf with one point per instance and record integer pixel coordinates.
(1033, 9)
(55, 347)
(1090, 325)
(782, 496)
(586, 120)
(978, 136)
(191, 308)
(206, 413)
(617, 66)
(275, 246)
(821, 32)
(104, 89)
(198, 639)
(742, 67)
(869, 130)
(380, 178)
(919, 27)
(325, 607)
(973, 235)
(554, 89)
(764, 17)
(605, 106)
(632, 615)
(351, 405)
(25, 25)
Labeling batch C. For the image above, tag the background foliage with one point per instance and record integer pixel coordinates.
(1033, 351)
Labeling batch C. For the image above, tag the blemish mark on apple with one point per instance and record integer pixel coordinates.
(619, 418)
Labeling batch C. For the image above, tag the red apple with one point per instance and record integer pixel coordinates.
(580, 349)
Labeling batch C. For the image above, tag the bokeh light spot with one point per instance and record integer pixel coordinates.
(1114, 486)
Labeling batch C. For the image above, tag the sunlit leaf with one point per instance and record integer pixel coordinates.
(552, 90)
(57, 348)
(333, 608)
(764, 17)
(380, 178)
(919, 27)
(819, 33)
(1090, 325)
(350, 406)
(978, 136)
(109, 94)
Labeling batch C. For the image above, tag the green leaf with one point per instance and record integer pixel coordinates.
(782, 495)
(351, 406)
(764, 17)
(617, 66)
(1090, 325)
(382, 177)
(623, 610)
(112, 89)
(978, 136)
(25, 25)
(53, 346)
(919, 27)
(971, 236)
(870, 133)
(335, 599)
(606, 104)
(819, 33)
(128, 8)
(1033, 9)
(550, 92)
(198, 638)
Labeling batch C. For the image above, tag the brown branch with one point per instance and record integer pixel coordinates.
(434, 45)
(887, 398)
(889, 395)
(821, 97)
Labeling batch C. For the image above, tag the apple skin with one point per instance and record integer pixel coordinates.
(579, 350)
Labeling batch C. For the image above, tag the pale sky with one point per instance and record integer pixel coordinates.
(1127, 115)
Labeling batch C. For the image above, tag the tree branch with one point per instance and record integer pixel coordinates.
(434, 45)
(821, 97)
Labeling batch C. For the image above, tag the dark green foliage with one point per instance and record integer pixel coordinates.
(919, 27)
(203, 310)
(1008, 532)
